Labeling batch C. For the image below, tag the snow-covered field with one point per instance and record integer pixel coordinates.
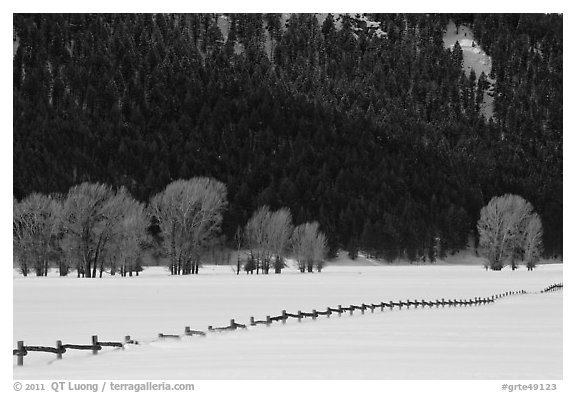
(518, 337)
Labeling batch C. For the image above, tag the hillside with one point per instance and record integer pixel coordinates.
(376, 132)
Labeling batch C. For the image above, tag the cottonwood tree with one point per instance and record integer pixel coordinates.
(280, 229)
(83, 223)
(126, 247)
(502, 228)
(189, 214)
(309, 246)
(35, 225)
(533, 242)
(267, 236)
(238, 241)
(320, 250)
(256, 237)
(92, 220)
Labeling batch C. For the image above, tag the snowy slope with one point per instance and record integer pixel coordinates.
(474, 59)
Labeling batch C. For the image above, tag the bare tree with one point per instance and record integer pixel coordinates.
(256, 235)
(125, 250)
(502, 226)
(19, 239)
(93, 218)
(320, 250)
(35, 225)
(238, 240)
(84, 224)
(267, 236)
(279, 230)
(308, 246)
(189, 214)
(533, 242)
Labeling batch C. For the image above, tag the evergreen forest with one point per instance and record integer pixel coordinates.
(376, 134)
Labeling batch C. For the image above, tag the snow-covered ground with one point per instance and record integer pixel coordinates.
(515, 338)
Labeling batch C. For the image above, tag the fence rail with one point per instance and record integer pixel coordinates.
(60, 348)
(552, 288)
(96, 345)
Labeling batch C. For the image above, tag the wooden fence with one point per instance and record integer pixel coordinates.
(96, 345)
(553, 287)
(60, 348)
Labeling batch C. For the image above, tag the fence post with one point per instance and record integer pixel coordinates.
(268, 320)
(314, 314)
(58, 346)
(351, 309)
(94, 344)
(381, 306)
(252, 321)
(339, 310)
(283, 316)
(233, 324)
(362, 308)
(299, 316)
(20, 353)
(328, 312)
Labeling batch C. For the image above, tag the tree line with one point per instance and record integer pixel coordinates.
(378, 137)
(96, 229)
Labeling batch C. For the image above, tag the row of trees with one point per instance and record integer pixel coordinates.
(92, 228)
(95, 228)
(270, 235)
(510, 230)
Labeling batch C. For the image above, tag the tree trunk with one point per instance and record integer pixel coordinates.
(87, 267)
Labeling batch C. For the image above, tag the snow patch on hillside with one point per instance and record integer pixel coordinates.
(474, 59)
(224, 26)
